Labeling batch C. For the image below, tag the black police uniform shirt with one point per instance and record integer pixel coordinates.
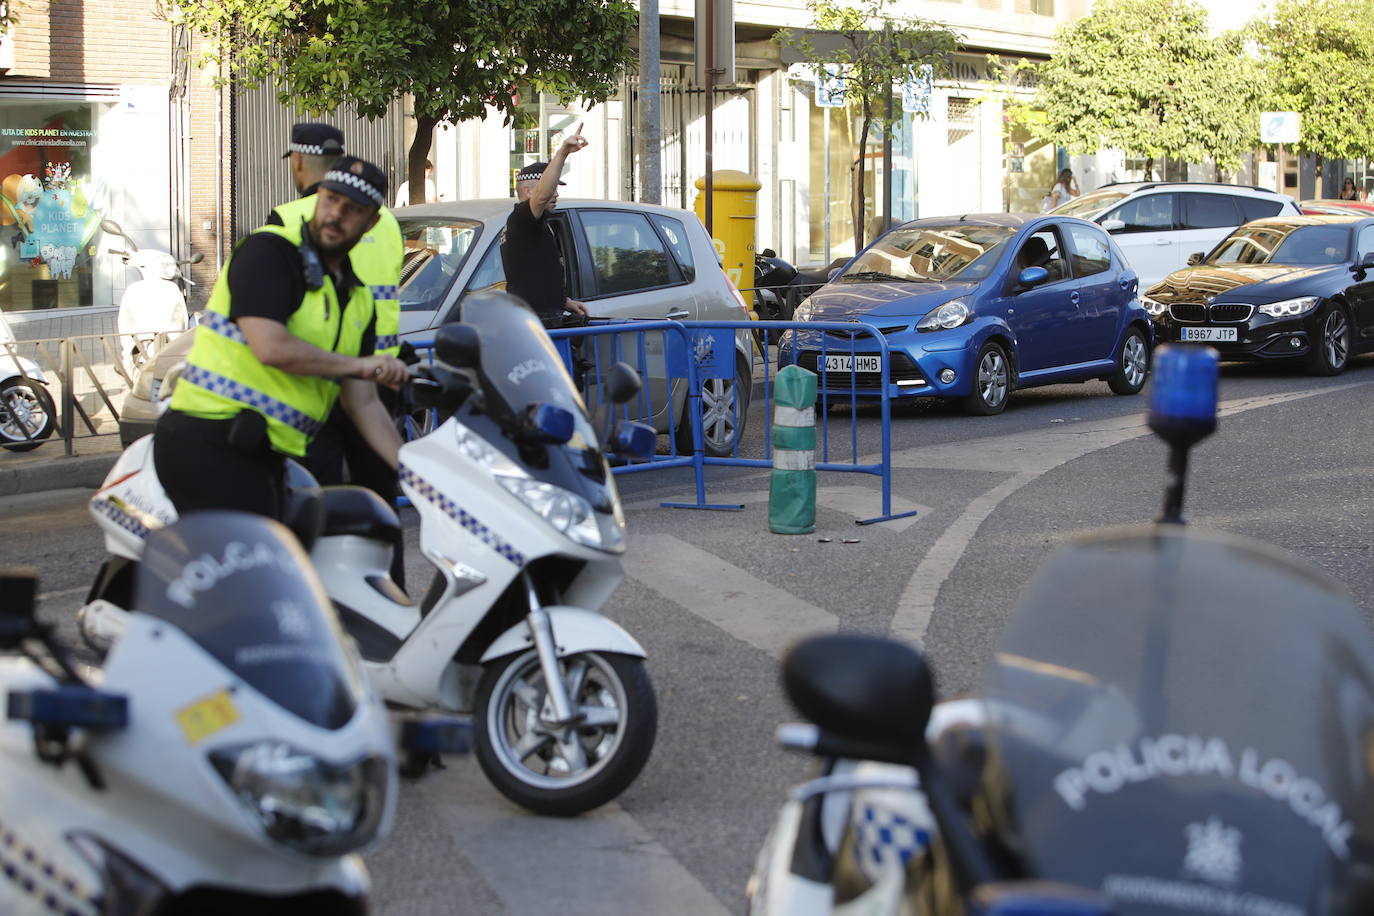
(266, 280)
(532, 262)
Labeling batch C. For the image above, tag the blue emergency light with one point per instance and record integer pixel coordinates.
(70, 706)
(1183, 400)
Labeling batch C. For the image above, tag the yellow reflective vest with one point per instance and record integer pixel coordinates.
(376, 260)
(223, 377)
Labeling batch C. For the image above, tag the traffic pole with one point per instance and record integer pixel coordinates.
(792, 487)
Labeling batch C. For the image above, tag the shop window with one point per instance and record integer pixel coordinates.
(51, 211)
(1035, 7)
(627, 254)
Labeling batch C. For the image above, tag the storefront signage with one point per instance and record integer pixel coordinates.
(829, 86)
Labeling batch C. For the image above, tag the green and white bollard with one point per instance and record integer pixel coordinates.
(792, 489)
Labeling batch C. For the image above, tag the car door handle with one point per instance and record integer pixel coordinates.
(1163, 242)
(1073, 297)
(677, 315)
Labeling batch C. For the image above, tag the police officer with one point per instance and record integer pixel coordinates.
(377, 262)
(289, 328)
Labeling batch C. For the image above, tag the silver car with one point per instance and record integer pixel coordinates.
(624, 260)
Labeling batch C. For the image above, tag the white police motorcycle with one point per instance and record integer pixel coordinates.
(228, 757)
(1175, 721)
(520, 517)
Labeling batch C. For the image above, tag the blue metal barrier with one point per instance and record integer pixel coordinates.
(665, 353)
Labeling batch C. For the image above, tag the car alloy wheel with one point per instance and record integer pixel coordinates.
(991, 382)
(1333, 349)
(1132, 365)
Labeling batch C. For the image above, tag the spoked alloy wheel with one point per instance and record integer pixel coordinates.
(565, 770)
(1332, 349)
(1132, 365)
(991, 382)
(27, 415)
(724, 405)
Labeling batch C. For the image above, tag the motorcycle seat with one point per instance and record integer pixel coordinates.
(360, 512)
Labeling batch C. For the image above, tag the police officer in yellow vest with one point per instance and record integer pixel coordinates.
(289, 328)
(376, 260)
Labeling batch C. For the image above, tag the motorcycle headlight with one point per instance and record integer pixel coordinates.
(126, 886)
(564, 510)
(480, 451)
(1290, 308)
(949, 315)
(314, 807)
(1153, 307)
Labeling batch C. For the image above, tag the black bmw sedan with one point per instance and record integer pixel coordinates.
(1288, 287)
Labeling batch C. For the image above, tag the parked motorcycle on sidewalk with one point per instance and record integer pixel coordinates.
(771, 277)
(153, 306)
(520, 517)
(1175, 721)
(27, 412)
(228, 757)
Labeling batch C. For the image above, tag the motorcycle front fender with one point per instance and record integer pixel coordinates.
(575, 630)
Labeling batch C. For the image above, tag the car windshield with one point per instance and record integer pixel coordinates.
(1089, 205)
(1284, 244)
(915, 254)
(435, 249)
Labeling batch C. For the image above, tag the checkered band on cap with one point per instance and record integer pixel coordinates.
(311, 149)
(353, 181)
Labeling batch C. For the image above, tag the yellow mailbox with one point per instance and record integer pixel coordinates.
(734, 212)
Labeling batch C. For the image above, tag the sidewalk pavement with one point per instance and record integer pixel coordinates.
(48, 467)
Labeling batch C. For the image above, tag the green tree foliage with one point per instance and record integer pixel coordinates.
(1146, 77)
(453, 58)
(1319, 57)
(876, 50)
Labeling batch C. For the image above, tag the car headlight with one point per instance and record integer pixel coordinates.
(1154, 307)
(804, 310)
(314, 807)
(1290, 308)
(950, 315)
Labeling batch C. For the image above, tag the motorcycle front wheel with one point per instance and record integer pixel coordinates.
(564, 770)
(27, 415)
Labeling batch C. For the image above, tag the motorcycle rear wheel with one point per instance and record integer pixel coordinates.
(564, 771)
(27, 415)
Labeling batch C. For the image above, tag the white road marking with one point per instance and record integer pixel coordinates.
(736, 601)
(1027, 456)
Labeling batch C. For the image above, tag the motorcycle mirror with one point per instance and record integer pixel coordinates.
(549, 423)
(111, 227)
(862, 688)
(769, 253)
(196, 258)
(1183, 401)
(622, 383)
(459, 345)
(635, 440)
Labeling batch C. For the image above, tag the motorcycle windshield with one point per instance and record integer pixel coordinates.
(240, 586)
(521, 365)
(1185, 721)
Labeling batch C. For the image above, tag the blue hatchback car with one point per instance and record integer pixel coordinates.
(974, 307)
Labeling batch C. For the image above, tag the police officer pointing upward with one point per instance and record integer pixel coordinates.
(288, 329)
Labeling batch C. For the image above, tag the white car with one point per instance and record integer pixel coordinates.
(1159, 225)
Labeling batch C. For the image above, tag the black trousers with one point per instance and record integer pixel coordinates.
(339, 444)
(200, 468)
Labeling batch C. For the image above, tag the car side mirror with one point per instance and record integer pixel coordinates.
(458, 345)
(1113, 224)
(622, 383)
(834, 273)
(1366, 262)
(1032, 276)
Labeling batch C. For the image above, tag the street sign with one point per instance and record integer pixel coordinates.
(1279, 127)
(829, 86)
(916, 92)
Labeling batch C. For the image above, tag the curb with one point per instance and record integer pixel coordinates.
(37, 476)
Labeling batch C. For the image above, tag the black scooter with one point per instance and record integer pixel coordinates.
(1175, 721)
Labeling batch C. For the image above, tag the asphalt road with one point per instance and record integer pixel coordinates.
(715, 599)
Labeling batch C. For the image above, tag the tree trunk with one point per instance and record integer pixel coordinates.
(859, 179)
(418, 155)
